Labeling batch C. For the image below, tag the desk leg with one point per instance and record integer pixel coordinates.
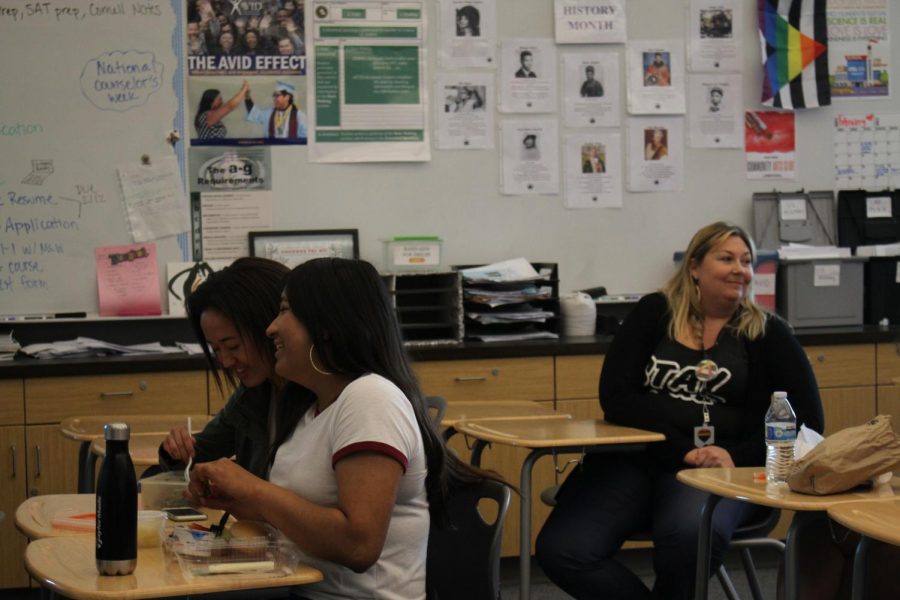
(792, 553)
(704, 547)
(860, 562)
(87, 463)
(525, 522)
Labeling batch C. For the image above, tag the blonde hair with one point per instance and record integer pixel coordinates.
(682, 294)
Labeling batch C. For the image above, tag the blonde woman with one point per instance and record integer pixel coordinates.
(697, 361)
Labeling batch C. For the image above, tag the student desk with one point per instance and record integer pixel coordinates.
(544, 436)
(34, 517)
(66, 566)
(489, 410)
(874, 521)
(87, 429)
(738, 483)
(143, 448)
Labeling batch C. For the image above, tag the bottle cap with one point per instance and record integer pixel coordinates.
(117, 432)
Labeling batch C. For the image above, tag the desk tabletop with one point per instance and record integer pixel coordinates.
(490, 410)
(553, 432)
(740, 483)
(85, 429)
(877, 520)
(66, 565)
(34, 517)
(143, 447)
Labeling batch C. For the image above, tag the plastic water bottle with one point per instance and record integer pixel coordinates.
(781, 432)
(116, 505)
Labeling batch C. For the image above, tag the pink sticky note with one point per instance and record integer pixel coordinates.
(128, 280)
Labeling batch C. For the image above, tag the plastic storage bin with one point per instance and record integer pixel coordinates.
(201, 554)
(882, 285)
(821, 292)
(800, 218)
(866, 218)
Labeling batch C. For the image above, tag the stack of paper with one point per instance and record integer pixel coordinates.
(515, 337)
(516, 269)
(529, 316)
(83, 347)
(8, 346)
(800, 252)
(495, 298)
(879, 250)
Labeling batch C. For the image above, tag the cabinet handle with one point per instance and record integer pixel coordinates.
(465, 379)
(105, 395)
(37, 461)
(12, 455)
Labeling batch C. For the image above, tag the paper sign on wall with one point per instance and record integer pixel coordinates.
(128, 280)
(589, 21)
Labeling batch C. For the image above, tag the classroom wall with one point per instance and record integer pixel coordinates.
(456, 195)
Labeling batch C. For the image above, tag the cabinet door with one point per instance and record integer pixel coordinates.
(839, 366)
(847, 407)
(52, 399)
(12, 493)
(488, 379)
(578, 376)
(52, 461)
(889, 364)
(12, 404)
(889, 403)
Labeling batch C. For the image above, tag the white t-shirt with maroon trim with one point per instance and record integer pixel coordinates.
(371, 414)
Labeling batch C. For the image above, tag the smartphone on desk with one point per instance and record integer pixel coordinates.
(184, 513)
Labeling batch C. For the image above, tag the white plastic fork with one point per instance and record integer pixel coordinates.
(187, 469)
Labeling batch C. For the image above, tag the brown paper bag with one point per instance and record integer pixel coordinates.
(847, 458)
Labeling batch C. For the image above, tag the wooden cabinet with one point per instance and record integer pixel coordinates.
(12, 483)
(888, 364)
(578, 376)
(489, 379)
(843, 366)
(53, 399)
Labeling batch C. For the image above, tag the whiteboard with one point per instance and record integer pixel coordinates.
(87, 87)
(456, 195)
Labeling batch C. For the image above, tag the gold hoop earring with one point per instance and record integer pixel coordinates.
(314, 365)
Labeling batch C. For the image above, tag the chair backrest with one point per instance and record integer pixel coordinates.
(464, 557)
(436, 407)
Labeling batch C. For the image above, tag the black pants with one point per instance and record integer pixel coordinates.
(610, 498)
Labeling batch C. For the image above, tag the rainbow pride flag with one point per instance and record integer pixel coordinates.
(794, 40)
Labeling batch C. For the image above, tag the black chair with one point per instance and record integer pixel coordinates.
(436, 407)
(752, 535)
(464, 557)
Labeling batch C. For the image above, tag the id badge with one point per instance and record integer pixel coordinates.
(704, 435)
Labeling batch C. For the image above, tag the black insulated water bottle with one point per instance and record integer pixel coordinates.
(116, 505)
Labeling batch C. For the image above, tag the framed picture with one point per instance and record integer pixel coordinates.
(292, 248)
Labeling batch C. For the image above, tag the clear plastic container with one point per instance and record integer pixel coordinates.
(201, 554)
(151, 528)
(163, 490)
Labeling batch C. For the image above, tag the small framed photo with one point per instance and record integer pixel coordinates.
(292, 248)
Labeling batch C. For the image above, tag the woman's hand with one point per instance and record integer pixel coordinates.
(223, 484)
(709, 456)
(179, 444)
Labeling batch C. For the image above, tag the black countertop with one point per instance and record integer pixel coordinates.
(170, 330)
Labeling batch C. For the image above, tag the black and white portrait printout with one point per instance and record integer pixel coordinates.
(589, 21)
(530, 156)
(591, 89)
(528, 82)
(465, 111)
(715, 114)
(593, 170)
(468, 34)
(655, 154)
(714, 30)
(656, 77)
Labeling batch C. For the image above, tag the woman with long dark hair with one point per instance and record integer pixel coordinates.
(229, 312)
(365, 463)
